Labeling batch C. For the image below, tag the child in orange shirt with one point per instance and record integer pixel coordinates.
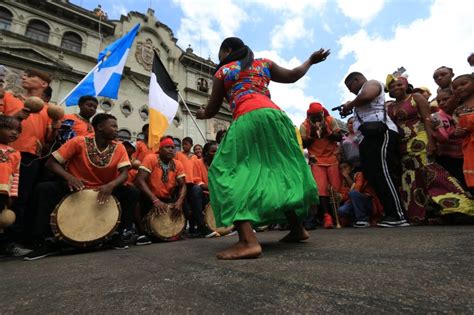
(10, 128)
(161, 180)
(10, 159)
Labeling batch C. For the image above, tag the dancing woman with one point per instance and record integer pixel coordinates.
(259, 175)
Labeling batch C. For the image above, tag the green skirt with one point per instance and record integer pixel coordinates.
(259, 172)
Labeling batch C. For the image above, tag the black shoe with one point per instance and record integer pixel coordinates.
(44, 250)
(393, 222)
(15, 250)
(142, 240)
(117, 242)
(193, 231)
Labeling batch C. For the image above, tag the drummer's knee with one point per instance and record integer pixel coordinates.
(196, 191)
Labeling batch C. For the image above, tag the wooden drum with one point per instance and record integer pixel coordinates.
(163, 226)
(81, 221)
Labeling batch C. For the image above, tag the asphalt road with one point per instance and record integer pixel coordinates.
(404, 270)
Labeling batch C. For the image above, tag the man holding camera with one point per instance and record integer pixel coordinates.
(379, 147)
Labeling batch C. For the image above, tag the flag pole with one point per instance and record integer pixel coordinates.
(83, 79)
(192, 117)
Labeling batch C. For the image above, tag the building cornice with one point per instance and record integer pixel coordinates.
(67, 13)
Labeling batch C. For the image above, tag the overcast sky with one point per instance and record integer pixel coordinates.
(371, 36)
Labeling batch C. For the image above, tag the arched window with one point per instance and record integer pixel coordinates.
(5, 19)
(71, 41)
(38, 30)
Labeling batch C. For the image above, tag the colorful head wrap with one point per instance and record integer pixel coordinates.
(391, 78)
(166, 142)
(315, 108)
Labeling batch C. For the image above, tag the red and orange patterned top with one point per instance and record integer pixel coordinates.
(247, 90)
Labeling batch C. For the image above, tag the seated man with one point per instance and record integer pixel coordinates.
(161, 180)
(95, 161)
(200, 190)
(362, 205)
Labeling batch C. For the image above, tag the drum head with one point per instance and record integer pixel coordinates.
(163, 226)
(210, 221)
(81, 220)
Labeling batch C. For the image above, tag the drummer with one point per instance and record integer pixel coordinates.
(95, 161)
(200, 190)
(161, 180)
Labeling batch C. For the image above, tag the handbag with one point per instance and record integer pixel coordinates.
(373, 128)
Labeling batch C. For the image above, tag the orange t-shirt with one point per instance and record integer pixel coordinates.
(200, 172)
(85, 161)
(142, 151)
(188, 164)
(9, 170)
(33, 133)
(160, 188)
(81, 126)
(11, 104)
(323, 149)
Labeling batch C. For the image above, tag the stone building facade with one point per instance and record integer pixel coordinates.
(64, 40)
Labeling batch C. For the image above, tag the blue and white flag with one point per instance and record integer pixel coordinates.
(104, 78)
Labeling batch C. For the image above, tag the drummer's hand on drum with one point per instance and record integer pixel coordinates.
(176, 211)
(159, 206)
(104, 193)
(75, 183)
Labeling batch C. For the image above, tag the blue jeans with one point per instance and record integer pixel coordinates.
(359, 207)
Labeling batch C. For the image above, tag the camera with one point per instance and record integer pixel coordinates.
(339, 108)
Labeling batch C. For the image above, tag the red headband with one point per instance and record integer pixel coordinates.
(166, 142)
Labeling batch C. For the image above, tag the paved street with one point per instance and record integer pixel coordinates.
(416, 269)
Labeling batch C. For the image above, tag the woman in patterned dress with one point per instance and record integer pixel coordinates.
(259, 175)
(428, 190)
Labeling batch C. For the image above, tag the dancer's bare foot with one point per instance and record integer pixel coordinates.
(241, 250)
(296, 235)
